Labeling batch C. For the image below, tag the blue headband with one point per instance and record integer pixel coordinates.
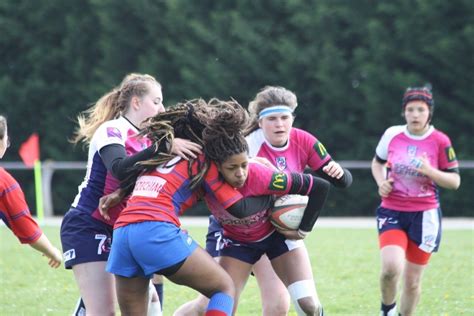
(274, 109)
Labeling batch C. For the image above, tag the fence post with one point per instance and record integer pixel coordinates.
(47, 181)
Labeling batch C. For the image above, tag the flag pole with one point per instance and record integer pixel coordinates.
(39, 192)
(30, 154)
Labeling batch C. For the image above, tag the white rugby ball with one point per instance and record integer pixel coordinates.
(288, 211)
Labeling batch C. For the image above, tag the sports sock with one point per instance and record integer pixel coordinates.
(220, 304)
(388, 310)
(80, 309)
(159, 290)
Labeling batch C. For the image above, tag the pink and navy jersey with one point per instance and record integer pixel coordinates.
(98, 181)
(413, 191)
(164, 194)
(261, 180)
(301, 150)
(15, 212)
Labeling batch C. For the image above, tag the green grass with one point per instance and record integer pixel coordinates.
(345, 265)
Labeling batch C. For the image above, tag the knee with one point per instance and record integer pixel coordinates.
(390, 272)
(303, 294)
(277, 307)
(310, 306)
(412, 285)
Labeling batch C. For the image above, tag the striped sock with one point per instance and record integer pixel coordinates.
(220, 304)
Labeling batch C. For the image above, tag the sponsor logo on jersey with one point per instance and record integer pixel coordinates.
(450, 154)
(320, 149)
(279, 181)
(281, 163)
(148, 186)
(114, 132)
(411, 151)
(69, 255)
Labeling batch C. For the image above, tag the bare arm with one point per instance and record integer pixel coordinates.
(44, 246)
(378, 172)
(445, 179)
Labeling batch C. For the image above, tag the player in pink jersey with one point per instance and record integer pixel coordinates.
(110, 128)
(272, 136)
(410, 163)
(14, 210)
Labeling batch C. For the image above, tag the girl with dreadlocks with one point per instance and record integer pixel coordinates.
(162, 193)
(147, 234)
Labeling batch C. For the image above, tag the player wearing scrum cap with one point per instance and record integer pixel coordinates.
(411, 162)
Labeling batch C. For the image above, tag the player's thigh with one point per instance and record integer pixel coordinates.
(293, 266)
(202, 273)
(97, 287)
(238, 270)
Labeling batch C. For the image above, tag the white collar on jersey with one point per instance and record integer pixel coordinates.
(283, 148)
(418, 137)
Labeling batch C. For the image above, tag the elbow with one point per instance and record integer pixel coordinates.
(455, 183)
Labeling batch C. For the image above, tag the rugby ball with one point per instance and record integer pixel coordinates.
(288, 211)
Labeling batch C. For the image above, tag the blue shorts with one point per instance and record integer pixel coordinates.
(213, 237)
(84, 238)
(273, 246)
(423, 227)
(141, 249)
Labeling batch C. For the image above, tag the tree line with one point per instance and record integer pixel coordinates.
(348, 62)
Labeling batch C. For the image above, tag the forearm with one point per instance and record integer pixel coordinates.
(447, 180)
(344, 182)
(251, 205)
(44, 246)
(119, 164)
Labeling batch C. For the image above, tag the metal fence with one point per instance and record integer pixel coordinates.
(49, 167)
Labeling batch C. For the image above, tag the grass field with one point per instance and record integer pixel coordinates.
(345, 264)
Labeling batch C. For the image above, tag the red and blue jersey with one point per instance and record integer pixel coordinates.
(164, 193)
(15, 212)
(413, 191)
(98, 181)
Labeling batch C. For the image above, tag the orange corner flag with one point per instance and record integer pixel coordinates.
(30, 151)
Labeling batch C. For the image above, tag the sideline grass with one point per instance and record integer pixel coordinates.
(345, 264)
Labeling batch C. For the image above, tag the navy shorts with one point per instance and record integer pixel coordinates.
(84, 238)
(423, 227)
(273, 246)
(213, 237)
(141, 249)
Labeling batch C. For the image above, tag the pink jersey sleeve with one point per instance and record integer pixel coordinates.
(262, 180)
(317, 153)
(447, 156)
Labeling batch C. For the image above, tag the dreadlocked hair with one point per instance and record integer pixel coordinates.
(184, 120)
(223, 136)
